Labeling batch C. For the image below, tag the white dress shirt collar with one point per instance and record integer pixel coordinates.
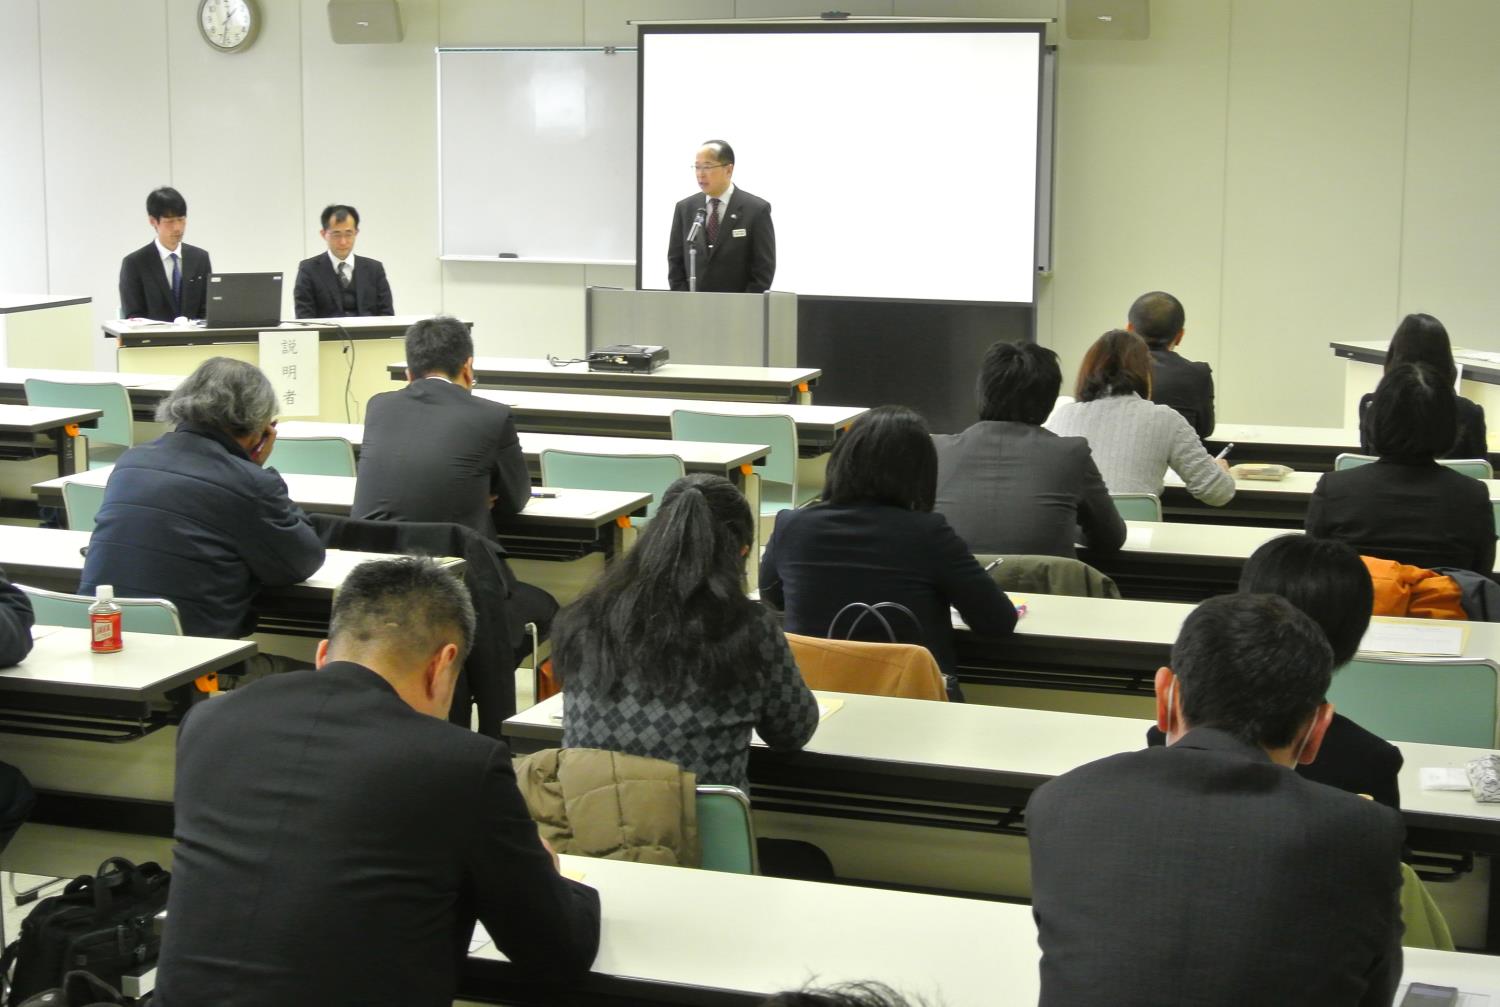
(723, 200)
(336, 260)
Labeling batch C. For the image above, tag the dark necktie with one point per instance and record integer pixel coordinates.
(344, 275)
(176, 284)
(713, 221)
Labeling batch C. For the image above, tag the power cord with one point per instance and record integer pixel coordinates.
(563, 362)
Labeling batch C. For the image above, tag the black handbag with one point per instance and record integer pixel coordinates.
(866, 609)
(101, 924)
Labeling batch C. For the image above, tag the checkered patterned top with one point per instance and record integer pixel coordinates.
(704, 734)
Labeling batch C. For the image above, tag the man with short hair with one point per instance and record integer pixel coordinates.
(1185, 385)
(1207, 871)
(736, 241)
(168, 279)
(336, 838)
(336, 285)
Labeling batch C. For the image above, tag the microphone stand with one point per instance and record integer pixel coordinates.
(692, 250)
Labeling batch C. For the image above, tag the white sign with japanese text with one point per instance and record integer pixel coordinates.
(290, 360)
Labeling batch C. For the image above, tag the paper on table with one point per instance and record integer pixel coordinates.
(37, 632)
(1466, 998)
(827, 707)
(1137, 537)
(1431, 640)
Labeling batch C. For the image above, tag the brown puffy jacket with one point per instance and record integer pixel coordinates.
(611, 805)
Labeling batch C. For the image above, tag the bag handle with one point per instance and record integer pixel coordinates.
(868, 609)
(116, 872)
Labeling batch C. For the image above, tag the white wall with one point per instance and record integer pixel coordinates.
(1295, 170)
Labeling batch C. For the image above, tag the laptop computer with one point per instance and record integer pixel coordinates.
(244, 301)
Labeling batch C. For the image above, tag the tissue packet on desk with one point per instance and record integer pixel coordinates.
(1263, 472)
(1484, 779)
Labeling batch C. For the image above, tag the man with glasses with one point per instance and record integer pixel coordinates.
(334, 285)
(735, 239)
(168, 279)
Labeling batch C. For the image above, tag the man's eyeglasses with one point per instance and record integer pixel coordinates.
(707, 167)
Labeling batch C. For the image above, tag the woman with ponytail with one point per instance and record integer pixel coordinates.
(667, 657)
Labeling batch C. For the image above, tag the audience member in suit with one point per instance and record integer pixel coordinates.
(1215, 874)
(1133, 439)
(1185, 385)
(337, 838)
(168, 279)
(667, 658)
(338, 284)
(16, 619)
(434, 451)
(737, 242)
(1327, 582)
(16, 800)
(195, 517)
(1008, 486)
(874, 537)
(1422, 339)
(1405, 506)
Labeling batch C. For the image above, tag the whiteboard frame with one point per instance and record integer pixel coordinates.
(437, 70)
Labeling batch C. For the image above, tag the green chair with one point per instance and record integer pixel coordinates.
(726, 831)
(114, 430)
(313, 456)
(1478, 468)
(1137, 506)
(81, 503)
(778, 474)
(1448, 701)
(631, 473)
(137, 615)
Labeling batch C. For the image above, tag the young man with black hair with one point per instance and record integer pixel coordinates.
(167, 279)
(1207, 871)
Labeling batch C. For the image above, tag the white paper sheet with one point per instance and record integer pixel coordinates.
(1433, 640)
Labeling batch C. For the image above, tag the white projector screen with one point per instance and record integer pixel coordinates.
(899, 161)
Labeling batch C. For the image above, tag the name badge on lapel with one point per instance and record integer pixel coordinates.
(738, 232)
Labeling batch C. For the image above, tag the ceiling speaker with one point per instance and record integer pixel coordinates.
(1109, 20)
(360, 22)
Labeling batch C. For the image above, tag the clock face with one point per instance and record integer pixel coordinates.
(228, 25)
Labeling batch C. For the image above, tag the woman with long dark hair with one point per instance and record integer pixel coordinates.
(1422, 339)
(667, 657)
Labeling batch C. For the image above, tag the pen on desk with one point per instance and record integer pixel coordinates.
(1225, 453)
(543, 495)
(993, 563)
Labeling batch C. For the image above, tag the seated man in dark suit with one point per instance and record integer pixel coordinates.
(168, 279)
(337, 838)
(736, 242)
(1185, 385)
(336, 284)
(1207, 872)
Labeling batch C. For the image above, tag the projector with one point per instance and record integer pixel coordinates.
(628, 357)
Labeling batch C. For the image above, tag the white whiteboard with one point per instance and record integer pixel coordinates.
(537, 153)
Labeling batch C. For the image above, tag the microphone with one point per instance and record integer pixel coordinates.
(698, 220)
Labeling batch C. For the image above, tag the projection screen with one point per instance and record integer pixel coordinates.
(900, 161)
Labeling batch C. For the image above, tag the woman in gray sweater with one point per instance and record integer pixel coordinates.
(1134, 440)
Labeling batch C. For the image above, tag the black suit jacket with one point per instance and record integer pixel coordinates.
(1185, 385)
(1204, 873)
(1422, 513)
(145, 292)
(1350, 758)
(821, 558)
(740, 262)
(1470, 441)
(435, 452)
(1016, 488)
(334, 846)
(319, 295)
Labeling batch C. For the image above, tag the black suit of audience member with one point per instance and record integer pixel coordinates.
(1471, 441)
(1214, 874)
(1185, 385)
(319, 294)
(146, 293)
(336, 842)
(433, 451)
(15, 643)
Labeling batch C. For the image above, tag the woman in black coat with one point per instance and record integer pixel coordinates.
(1422, 339)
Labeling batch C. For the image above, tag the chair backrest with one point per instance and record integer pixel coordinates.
(137, 615)
(906, 670)
(115, 426)
(632, 473)
(776, 431)
(726, 831)
(312, 456)
(1478, 468)
(1137, 506)
(81, 503)
(1434, 702)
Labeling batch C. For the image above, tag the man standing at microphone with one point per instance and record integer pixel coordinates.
(730, 228)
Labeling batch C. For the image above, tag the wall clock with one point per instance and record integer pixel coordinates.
(229, 25)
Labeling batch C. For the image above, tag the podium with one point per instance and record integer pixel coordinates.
(748, 330)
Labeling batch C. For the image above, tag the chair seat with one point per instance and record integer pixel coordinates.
(775, 497)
